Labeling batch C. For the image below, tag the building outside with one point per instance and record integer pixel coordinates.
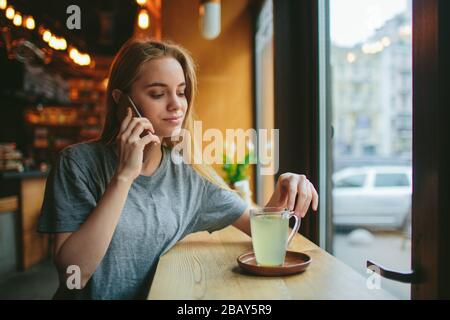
(372, 96)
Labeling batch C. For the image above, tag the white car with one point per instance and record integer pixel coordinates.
(377, 197)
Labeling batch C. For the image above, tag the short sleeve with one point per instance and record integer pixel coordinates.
(68, 199)
(219, 209)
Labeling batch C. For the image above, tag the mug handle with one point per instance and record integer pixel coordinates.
(298, 221)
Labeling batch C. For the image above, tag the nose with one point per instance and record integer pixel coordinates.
(175, 103)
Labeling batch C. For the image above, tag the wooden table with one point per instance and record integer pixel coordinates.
(203, 266)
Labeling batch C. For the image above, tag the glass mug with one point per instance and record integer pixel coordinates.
(269, 227)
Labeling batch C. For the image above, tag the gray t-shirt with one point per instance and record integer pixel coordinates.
(160, 210)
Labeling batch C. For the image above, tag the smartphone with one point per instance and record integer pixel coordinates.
(136, 110)
(134, 106)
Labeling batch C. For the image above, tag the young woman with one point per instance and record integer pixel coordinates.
(117, 204)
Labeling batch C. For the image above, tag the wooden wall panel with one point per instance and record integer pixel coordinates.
(33, 246)
(225, 66)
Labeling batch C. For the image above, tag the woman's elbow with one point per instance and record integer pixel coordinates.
(72, 276)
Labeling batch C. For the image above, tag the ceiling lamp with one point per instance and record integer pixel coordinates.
(210, 18)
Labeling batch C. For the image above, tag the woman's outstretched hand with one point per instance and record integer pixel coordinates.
(131, 145)
(295, 192)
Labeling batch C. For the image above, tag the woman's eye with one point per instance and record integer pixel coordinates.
(156, 96)
(181, 94)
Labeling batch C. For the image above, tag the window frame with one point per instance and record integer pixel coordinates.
(296, 34)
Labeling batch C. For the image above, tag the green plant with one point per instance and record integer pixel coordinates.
(235, 172)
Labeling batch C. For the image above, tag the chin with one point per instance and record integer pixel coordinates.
(169, 132)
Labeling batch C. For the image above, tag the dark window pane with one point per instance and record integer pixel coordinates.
(391, 180)
(356, 181)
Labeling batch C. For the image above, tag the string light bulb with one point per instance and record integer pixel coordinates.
(46, 36)
(10, 12)
(17, 20)
(143, 19)
(73, 53)
(3, 4)
(63, 44)
(82, 59)
(29, 23)
(52, 42)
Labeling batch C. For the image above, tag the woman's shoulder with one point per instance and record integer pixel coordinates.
(198, 173)
(183, 169)
(177, 162)
(83, 148)
(86, 153)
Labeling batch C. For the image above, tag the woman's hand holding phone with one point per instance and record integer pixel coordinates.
(131, 145)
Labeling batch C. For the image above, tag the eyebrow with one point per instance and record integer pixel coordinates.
(159, 84)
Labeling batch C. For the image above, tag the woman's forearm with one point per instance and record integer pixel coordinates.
(243, 222)
(87, 246)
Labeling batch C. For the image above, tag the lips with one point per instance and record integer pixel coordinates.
(174, 120)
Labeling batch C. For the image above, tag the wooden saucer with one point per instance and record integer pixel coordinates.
(295, 262)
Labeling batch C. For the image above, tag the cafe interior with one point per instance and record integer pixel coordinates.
(302, 67)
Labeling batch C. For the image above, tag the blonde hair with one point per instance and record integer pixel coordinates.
(124, 72)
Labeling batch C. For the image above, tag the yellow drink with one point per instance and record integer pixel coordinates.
(269, 238)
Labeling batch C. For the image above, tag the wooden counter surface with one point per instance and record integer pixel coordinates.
(203, 266)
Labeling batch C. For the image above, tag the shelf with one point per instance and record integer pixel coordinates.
(55, 125)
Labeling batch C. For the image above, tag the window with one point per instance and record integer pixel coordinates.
(264, 78)
(366, 61)
(356, 181)
(391, 180)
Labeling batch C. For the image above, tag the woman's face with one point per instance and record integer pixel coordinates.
(159, 93)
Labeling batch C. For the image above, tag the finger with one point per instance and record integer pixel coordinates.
(150, 138)
(282, 192)
(144, 120)
(315, 198)
(126, 134)
(305, 208)
(126, 121)
(302, 196)
(137, 131)
(292, 193)
(133, 123)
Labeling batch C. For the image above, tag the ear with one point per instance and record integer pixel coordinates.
(116, 94)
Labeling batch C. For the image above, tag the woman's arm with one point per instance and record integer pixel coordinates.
(87, 246)
(243, 222)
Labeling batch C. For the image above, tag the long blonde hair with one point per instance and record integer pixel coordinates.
(124, 72)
